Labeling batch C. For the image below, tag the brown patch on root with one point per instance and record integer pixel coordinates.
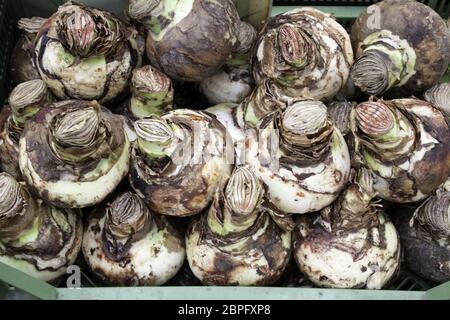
(225, 263)
(198, 54)
(45, 162)
(423, 255)
(185, 195)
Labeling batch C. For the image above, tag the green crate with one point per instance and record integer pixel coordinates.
(18, 284)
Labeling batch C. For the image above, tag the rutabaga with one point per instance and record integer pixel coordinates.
(426, 238)
(24, 102)
(85, 53)
(128, 245)
(300, 156)
(36, 238)
(405, 143)
(399, 43)
(180, 160)
(188, 40)
(305, 52)
(74, 153)
(22, 67)
(350, 244)
(236, 242)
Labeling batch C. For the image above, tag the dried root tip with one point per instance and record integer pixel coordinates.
(292, 45)
(139, 9)
(370, 73)
(77, 128)
(246, 37)
(244, 191)
(155, 130)
(374, 118)
(439, 96)
(306, 127)
(27, 94)
(31, 25)
(340, 113)
(127, 215)
(435, 215)
(81, 32)
(263, 100)
(305, 118)
(149, 80)
(11, 197)
(365, 181)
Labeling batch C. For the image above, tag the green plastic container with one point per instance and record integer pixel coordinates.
(15, 283)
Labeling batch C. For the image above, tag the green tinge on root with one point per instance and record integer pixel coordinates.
(104, 165)
(152, 150)
(90, 62)
(250, 116)
(60, 219)
(94, 61)
(403, 57)
(287, 80)
(173, 11)
(155, 26)
(238, 59)
(28, 236)
(370, 162)
(27, 113)
(64, 56)
(227, 226)
(392, 134)
(154, 104)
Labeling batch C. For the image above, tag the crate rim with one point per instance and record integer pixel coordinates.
(45, 291)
